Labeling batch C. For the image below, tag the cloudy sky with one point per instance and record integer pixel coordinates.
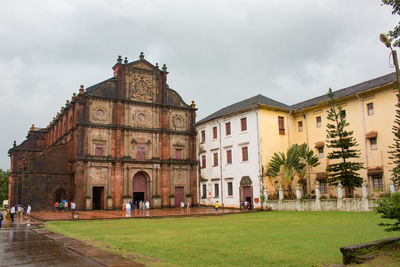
(217, 51)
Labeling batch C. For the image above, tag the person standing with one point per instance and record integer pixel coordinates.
(12, 213)
(216, 206)
(56, 206)
(1, 218)
(28, 210)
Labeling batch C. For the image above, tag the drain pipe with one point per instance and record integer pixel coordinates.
(365, 132)
(220, 163)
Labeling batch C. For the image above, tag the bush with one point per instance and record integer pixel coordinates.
(389, 208)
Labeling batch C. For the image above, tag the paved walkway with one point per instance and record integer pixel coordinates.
(118, 214)
(25, 243)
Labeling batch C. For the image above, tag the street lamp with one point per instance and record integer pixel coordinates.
(384, 39)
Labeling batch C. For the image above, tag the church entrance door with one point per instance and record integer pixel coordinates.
(179, 195)
(247, 195)
(98, 198)
(139, 187)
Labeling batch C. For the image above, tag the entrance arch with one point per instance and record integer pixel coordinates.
(139, 187)
(246, 190)
(59, 195)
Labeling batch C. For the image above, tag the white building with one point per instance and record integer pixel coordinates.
(228, 144)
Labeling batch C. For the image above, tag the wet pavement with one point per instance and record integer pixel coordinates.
(26, 243)
(118, 214)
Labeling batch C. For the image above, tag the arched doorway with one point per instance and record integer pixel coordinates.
(139, 187)
(246, 190)
(59, 195)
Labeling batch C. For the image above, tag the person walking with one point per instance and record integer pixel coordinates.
(56, 206)
(216, 206)
(28, 210)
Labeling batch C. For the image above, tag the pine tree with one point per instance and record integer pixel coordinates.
(395, 148)
(343, 148)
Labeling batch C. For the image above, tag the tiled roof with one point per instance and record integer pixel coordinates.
(351, 90)
(262, 100)
(245, 104)
(104, 89)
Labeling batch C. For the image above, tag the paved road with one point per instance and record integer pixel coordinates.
(21, 246)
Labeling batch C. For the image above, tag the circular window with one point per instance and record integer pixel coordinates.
(99, 113)
(178, 122)
(141, 117)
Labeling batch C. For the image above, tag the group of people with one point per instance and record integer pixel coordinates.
(141, 205)
(64, 206)
(17, 211)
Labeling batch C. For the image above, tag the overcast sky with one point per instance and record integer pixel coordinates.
(217, 52)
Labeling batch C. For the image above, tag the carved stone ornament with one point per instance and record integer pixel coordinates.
(245, 181)
(140, 87)
(99, 113)
(178, 121)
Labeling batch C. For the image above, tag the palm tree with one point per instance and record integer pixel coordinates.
(289, 164)
(309, 160)
(296, 162)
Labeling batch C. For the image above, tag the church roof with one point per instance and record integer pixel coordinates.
(255, 101)
(104, 89)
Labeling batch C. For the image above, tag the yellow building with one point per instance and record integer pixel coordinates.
(370, 110)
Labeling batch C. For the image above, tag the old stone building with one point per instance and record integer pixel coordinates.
(128, 138)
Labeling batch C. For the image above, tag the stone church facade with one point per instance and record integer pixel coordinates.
(128, 138)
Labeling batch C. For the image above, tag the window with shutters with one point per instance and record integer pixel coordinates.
(99, 150)
(281, 124)
(228, 128)
(318, 121)
(140, 153)
(230, 188)
(215, 155)
(229, 156)
(245, 154)
(370, 109)
(243, 123)
(215, 135)
(300, 126)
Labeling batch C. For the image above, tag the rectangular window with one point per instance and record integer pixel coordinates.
(323, 187)
(204, 192)
(374, 144)
(321, 152)
(343, 115)
(99, 149)
(319, 121)
(228, 128)
(140, 153)
(203, 136)
(215, 135)
(300, 126)
(281, 124)
(216, 190)
(178, 153)
(230, 189)
(370, 109)
(243, 124)
(203, 161)
(245, 154)
(378, 183)
(229, 156)
(215, 159)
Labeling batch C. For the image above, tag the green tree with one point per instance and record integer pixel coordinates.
(395, 148)
(3, 185)
(309, 160)
(389, 208)
(395, 34)
(343, 148)
(294, 162)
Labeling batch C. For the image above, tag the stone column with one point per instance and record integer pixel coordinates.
(298, 197)
(339, 196)
(365, 205)
(280, 204)
(317, 196)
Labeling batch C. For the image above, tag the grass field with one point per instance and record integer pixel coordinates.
(253, 239)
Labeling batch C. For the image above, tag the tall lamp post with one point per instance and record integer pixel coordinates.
(384, 39)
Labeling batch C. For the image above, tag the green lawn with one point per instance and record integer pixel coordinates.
(254, 239)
